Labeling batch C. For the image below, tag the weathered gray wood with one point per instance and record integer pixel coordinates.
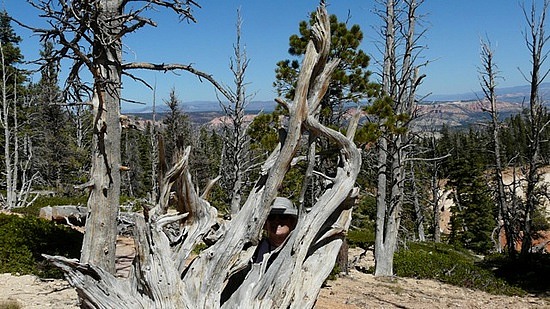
(45, 213)
(99, 240)
(161, 276)
(400, 86)
(70, 214)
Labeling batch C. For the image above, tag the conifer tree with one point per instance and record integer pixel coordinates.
(136, 157)
(51, 133)
(176, 126)
(350, 81)
(473, 218)
(207, 153)
(10, 49)
(349, 85)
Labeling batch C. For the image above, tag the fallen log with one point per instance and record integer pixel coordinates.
(66, 214)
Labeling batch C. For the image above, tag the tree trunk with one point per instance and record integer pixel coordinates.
(399, 82)
(383, 252)
(10, 191)
(418, 209)
(435, 203)
(535, 40)
(489, 88)
(98, 247)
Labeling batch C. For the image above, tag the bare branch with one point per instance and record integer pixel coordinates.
(173, 67)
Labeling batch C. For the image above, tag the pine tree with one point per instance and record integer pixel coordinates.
(176, 126)
(349, 85)
(473, 218)
(350, 81)
(136, 156)
(10, 50)
(51, 132)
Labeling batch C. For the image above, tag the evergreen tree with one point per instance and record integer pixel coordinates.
(147, 157)
(349, 84)
(136, 150)
(473, 218)
(513, 135)
(350, 81)
(10, 50)
(207, 152)
(515, 138)
(176, 126)
(263, 132)
(51, 132)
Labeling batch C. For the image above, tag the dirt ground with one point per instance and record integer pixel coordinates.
(354, 291)
(357, 290)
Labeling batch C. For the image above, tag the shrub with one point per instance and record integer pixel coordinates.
(24, 239)
(529, 272)
(449, 265)
(363, 232)
(363, 238)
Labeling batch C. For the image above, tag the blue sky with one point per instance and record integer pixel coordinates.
(453, 32)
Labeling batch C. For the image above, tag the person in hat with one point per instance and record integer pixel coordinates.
(280, 222)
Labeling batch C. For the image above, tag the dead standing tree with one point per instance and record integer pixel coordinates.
(395, 110)
(236, 160)
(90, 33)
(535, 40)
(488, 79)
(290, 277)
(18, 150)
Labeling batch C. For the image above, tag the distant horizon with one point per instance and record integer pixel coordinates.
(513, 94)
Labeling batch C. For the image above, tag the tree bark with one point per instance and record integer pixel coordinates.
(98, 247)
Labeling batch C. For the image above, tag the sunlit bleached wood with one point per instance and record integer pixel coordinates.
(164, 277)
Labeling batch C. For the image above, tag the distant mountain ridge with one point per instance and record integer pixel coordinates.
(458, 110)
(201, 106)
(459, 113)
(514, 94)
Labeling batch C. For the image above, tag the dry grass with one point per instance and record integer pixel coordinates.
(9, 304)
